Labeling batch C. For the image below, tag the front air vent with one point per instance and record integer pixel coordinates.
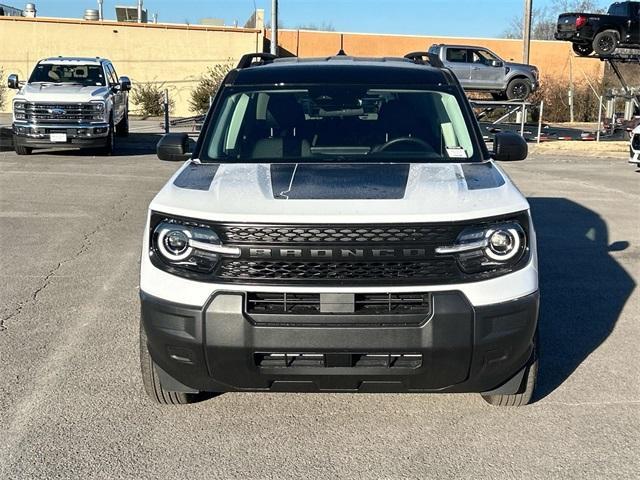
(363, 303)
(336, 360)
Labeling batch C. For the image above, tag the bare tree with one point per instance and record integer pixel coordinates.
(544, 20)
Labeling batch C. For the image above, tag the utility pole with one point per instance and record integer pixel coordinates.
(528, 11)
(274, 27)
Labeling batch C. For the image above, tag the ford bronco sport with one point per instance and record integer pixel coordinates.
(340, 226)
(70, 102)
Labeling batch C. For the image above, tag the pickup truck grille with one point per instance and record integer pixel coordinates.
(635, 142)
(60, 113)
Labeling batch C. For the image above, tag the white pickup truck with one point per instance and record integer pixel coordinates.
(70, 102)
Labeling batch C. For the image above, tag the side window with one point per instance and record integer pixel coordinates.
(112, 80)
(481, 56)
(457, 55)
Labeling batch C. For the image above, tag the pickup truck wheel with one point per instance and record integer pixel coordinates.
(518, 89)
(151, 381)
(122, 128)
(525, 395)
(22, 150)
(582, 49)
(110, 146)
(605, 43)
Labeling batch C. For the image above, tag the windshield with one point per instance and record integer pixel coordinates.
(87, 75)
(338, 123)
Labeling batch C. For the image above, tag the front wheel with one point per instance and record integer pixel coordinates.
(110, 145)
(582, 49)
(151, 381)
(605, 43)
(23, 150)
(519, 89)
(122, 128)
(525, 395)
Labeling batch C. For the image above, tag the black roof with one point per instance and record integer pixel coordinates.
(342, 70)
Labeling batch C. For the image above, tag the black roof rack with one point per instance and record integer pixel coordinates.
(248, 59)
(425, 58)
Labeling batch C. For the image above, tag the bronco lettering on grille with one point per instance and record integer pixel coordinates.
(334, 252)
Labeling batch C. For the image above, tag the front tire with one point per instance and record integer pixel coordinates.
(525, 395)
(582, 49)
(110, 145)
(605, 43)
(151, 381)
(122, 128)
(519, 89)
(23, 150)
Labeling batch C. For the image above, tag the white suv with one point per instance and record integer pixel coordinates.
(76, 102)
(634, 147)
(339, 227)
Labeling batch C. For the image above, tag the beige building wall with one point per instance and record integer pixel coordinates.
(175, 55)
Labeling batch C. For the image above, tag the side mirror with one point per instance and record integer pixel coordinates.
(125, 84)
(13, 82)
(509, 147)
(497, 63)
(173, 147)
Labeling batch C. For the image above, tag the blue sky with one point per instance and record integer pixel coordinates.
(474, 18)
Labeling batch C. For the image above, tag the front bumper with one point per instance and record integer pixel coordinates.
(461, 348)
(77, 135)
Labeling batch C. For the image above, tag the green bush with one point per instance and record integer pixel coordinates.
(149, 99)
(555, 94)
(207, 87)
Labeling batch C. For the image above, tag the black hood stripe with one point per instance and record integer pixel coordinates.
(197, 176)
(339, 182)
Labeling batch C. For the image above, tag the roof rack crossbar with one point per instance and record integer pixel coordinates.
(247, 60)
(425, 58)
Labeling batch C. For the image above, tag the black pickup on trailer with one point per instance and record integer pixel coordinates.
(602, 33)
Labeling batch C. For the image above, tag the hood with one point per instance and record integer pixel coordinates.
(520, 66)
(339, 193)
(43, 92)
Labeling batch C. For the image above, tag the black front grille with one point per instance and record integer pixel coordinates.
(259, 234)
(635, 143)
(440, 270)
(270, 303)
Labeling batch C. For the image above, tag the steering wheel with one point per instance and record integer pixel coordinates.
(396, 141)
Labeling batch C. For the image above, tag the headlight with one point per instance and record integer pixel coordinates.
(491, 247)
(186, 246)
(98, 106)
(19, 110)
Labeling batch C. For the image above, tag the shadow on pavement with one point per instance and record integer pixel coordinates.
(583, 288)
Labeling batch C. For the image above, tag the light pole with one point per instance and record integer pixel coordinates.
(274, 27)
(100, 10)
(528, 9)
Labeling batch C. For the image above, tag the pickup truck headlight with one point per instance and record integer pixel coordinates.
(98, 110)
(19, 110)
(491, 247)
(181, 247)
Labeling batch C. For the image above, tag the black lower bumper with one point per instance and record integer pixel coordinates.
(457, 348)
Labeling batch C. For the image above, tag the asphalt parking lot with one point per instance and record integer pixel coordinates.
(72, 404)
